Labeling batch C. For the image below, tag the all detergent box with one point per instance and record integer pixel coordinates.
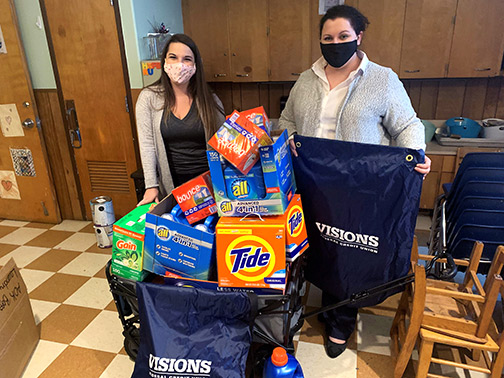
(128, 244)
(238, 140)
(232, 191)
(251, 252)
(176, 247)
(195, 198)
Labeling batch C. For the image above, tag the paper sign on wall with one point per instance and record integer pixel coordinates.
(3, 48)
(8, 185)
(22, 160)
(324, 5)
(10, 123)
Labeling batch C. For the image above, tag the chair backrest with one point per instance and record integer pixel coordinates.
(462, 249)
(476, 203)
(468, 156)
(475, 188)
(476, 174)
(497, 264)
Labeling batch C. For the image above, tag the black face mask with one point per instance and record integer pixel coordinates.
(337, 54)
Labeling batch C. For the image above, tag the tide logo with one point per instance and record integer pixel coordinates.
(295, 221)
(163, 233)
(121, 244)
(250, 258)
(240, 188)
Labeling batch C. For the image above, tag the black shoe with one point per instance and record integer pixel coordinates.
(333, 349)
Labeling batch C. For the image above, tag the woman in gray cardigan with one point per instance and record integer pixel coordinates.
(344, 96)
(175, 118)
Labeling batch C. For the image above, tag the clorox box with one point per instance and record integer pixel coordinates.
(195, 198)
(278, 176)
(251, 252)
(128, 244)
(173, 247)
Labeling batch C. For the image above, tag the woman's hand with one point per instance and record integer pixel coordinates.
(150, 195)
(424, 168)
(293, 147)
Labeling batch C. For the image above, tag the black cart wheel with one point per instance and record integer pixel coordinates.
(132, 342)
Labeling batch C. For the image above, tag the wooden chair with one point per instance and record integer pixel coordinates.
(491, 344)
(446, 308)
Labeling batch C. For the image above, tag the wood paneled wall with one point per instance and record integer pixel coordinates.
(59, 154)
(432, 99)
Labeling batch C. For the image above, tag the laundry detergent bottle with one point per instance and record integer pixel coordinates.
(282, 365)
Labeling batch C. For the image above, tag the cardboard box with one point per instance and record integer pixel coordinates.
(258, 117)
(296, 236)
(18, 333)
(177, 247)
(238, 140)
(195, 198)
(251, 252)
(128, 244)
(278, 176)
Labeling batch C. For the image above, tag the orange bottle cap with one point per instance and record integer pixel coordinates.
(279, 357)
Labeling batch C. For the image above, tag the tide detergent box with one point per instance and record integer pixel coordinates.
(296, 236)
(251, 253)
(195, 198)
(175, 247)
(258, 117)
(238, 140)
(128, 244)
(232, 192)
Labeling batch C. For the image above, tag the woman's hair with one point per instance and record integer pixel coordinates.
(358, 21)
(198, 87)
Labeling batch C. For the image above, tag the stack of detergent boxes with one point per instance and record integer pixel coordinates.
(180, 232)
(262, 225)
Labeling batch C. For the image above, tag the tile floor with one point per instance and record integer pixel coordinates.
(81, 333)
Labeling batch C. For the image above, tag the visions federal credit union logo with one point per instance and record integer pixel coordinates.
(250, 258)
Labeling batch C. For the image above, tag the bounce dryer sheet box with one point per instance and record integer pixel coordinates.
(258, 117)
(128, 244)
(195, 198)
(238, 140)
(251, 252)
(278, 176)
(173, 247)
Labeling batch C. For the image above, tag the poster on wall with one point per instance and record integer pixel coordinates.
(22, 160)
(8, 185)
(3, 48)
(324, 5)
(10, 123)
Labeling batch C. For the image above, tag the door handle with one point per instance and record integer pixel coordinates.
(482, 69)
(242, 75)
(28, 123)
(411, 71)
(73, 124)
(220, 75)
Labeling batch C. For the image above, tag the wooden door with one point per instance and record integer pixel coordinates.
(26, 191)
(206, 22)
(248, 39)
(478, 39)
(90, 74)
(428, 31)
(383, 39)
(289, 38)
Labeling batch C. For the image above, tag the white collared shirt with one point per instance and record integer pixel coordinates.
(334, 98)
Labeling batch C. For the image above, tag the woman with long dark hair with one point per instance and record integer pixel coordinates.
(175, 118)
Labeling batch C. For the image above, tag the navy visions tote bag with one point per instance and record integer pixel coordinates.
(361, 203)
(192, 333)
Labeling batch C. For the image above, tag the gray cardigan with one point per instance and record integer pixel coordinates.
(376, 110)
(149, 111)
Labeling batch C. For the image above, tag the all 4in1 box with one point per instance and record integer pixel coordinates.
(278, 175)
(171, 246)
(253, 252)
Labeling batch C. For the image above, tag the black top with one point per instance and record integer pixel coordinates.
(185, 145)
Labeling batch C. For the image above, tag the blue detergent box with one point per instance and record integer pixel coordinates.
(279, 182)
(177, 247)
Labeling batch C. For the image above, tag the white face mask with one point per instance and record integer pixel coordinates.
(179, 73)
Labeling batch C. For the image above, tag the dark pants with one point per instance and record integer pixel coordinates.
(340, 321)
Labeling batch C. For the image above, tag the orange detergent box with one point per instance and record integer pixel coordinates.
(296, 236)
(195, 198)
(238, 140)
(258, 117)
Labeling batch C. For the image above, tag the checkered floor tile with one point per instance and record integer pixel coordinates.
(81, 333)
